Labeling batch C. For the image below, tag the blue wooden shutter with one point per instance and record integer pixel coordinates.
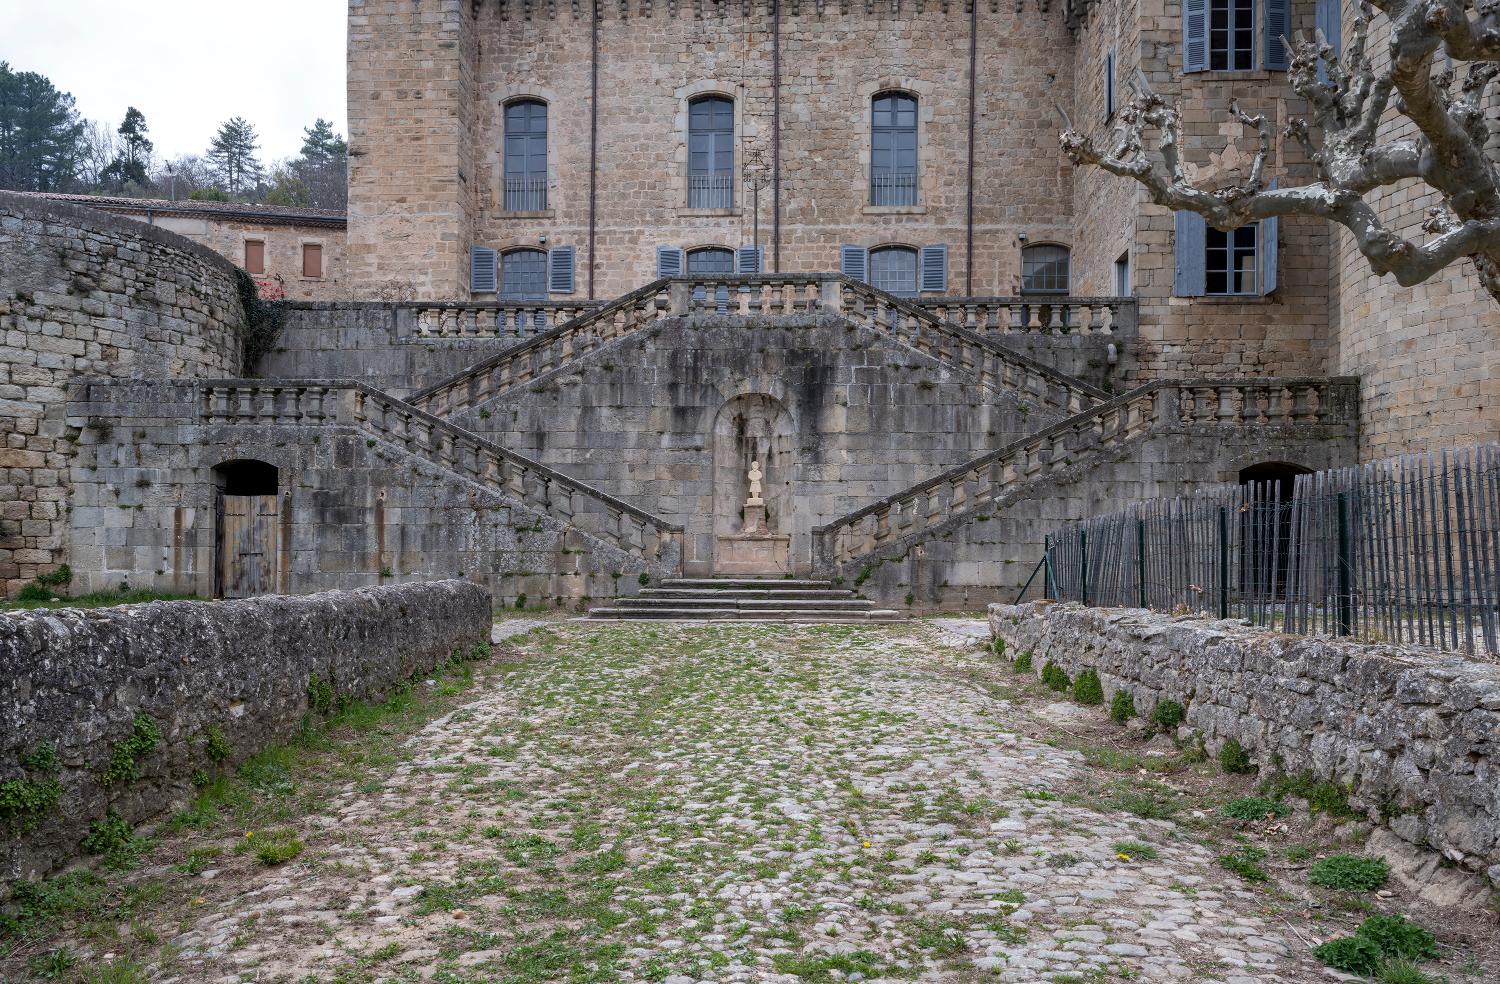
(481, 270)
(1330, 22)
(1278, 14)
(935, 267)
(1192, 245)
(854, 262)
(1194, 35)
(1270, 229)
(560, 264)
(749, 259)
(1109, 83)
(669, 261)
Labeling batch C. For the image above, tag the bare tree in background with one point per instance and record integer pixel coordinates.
(1347, 104)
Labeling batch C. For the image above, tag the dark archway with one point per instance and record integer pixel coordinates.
(246, 476)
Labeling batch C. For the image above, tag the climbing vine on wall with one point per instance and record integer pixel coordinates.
(264, 320)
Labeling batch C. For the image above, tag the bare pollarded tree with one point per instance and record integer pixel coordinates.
(1347, 101)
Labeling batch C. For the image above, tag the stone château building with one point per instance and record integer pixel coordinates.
(654, 244)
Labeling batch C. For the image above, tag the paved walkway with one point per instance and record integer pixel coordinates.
(726, 803)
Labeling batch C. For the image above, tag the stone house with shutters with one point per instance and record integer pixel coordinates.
(649, 245)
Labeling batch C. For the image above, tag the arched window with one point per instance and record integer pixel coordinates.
(1044, 269)
(711, 261)
(893, 269)
(893, 149)
(523, 275)
(711, 153)
(526, 156)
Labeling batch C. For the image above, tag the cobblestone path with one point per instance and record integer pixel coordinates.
(726, 803)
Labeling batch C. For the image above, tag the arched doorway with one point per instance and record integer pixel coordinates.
(247, 540)
(1266, 530)
(753, 428)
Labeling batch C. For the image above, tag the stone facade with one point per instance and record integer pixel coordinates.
(1412, 733)
(83, 293)
(232, 228)
(236, 674)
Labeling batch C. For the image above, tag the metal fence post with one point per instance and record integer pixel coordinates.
(1047, 591)
(1223, 562)
(1140, 561)
(1346, 594)
(1083, 564)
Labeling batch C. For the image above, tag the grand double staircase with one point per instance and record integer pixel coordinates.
(961, 334)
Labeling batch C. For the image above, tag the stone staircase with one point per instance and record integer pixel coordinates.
(747, 599)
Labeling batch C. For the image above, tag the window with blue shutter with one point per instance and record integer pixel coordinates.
(560, 265)
(935, 268)
(854, 262)
(750, 260)
(526, 156)
(523, 275)
(669, 261)
(1191, 251)
(893, 269)
(1109, 83)
(1330, 24)
(1194, 35)
(1278, 26)
(481, 270)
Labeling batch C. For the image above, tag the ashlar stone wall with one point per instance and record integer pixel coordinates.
(204, 685)
(1414, 734)
(84, 293)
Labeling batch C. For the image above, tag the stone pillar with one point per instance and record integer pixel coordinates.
(411, 156)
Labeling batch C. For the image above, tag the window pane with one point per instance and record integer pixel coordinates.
(526, 156)
(893, 150)
(711, 153)
(702, 262)
(1044, 269)
(893, 269)
(1231, 260)
(523, 275)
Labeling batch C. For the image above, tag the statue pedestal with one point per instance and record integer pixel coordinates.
(754, 549)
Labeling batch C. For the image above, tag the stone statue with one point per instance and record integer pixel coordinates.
(755, 478)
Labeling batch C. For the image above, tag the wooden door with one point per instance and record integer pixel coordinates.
(248, 545)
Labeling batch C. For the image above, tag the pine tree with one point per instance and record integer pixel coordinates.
(132, 165)
(322, 169)
(232, 155)
(41, 135)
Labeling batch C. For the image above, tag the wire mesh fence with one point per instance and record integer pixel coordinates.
(1403, 550)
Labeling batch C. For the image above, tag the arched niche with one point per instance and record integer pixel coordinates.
(749, 428)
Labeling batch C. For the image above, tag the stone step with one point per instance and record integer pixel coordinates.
(764, 583)
(728, 594)
(750, 604)
(755, 615)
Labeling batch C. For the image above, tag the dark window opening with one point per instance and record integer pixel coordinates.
(893, 150)
(1044, 269)
(1230, 260)
(1266, 530)
(1231, 35)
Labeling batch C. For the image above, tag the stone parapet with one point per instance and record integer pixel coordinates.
(1413, 733)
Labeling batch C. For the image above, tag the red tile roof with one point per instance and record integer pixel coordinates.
(220, 210)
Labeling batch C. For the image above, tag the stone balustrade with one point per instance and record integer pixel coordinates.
(1156, 406)
(386, 418)
(1037, 314)
(506, 319)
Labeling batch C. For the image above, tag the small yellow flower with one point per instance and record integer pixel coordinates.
(867, 843)
(249, 833)
(1123, 857)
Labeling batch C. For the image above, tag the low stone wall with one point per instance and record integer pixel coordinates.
(82, 693)
(1415, 734)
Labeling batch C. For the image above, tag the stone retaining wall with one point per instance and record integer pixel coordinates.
(1415, 734)
(86, 293)
(78, 681)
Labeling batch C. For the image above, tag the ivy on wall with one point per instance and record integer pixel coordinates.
(263, 322)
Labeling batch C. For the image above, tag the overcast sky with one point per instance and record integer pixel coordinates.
(189, 64)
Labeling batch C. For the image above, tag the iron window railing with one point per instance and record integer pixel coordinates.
(525, 194)
(710, 191)
(893, 189)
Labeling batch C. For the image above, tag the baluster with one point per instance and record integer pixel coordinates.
(1275, 404)
(1227, 412)
(1056, 324)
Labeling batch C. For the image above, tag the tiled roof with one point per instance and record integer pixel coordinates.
(220, 210)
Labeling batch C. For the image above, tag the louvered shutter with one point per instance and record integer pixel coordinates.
(669, 261)
(1270, 230)
(854, 262)
(1330, 23)
(481, 270)
(935, 268)
(1278, 14)
(1192, 244)
(749, 259)
(560, 265)
(1194, 35)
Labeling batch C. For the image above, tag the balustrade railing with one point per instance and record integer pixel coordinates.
(1156, 406)
(1035, 314)
(482, 461)
(507, 319)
